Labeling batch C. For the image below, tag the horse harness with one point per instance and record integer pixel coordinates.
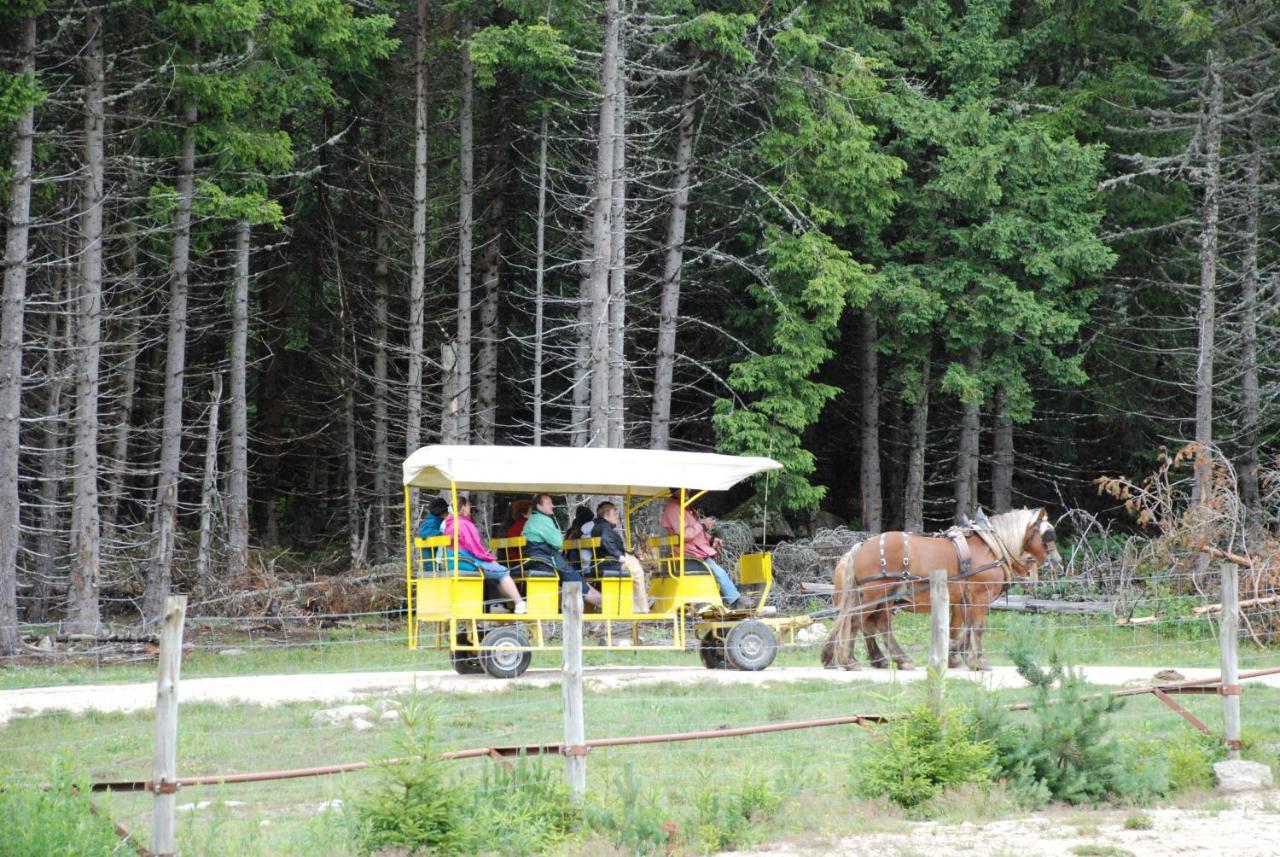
(909, 583)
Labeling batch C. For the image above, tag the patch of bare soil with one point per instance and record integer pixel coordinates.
(1239, 825)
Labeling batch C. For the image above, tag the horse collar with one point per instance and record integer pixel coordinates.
(958, 538)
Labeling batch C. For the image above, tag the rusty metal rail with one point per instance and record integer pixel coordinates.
(1160, 691)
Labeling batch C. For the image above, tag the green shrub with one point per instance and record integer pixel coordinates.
(1140, 821)
(723, 816)
(1067, 751)
(56, 820)
(524, 809)
(913, 758)
(1191, 756)
(413, 808)
(633, 819)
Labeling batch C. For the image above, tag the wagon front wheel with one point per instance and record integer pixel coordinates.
(468, 662)
(507, 654)
(750, 645)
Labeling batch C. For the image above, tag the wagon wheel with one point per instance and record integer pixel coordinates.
(711, 651)
(750, 645)
(465, 663)
(506, 660)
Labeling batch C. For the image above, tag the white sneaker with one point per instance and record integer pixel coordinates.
(522, 608)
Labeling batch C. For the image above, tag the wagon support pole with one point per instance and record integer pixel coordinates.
(939, 635)
(164, 764)
(1228, 634)
(575, 730)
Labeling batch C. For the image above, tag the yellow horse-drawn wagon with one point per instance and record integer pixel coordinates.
(446, 592)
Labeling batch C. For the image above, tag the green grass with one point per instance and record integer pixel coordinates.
(815, 772)
(1092, 850)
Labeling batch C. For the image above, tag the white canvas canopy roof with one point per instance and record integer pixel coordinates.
(577, 470)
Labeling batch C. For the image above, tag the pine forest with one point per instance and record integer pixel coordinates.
(928, 254)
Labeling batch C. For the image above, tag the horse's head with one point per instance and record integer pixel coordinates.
(1040, 545)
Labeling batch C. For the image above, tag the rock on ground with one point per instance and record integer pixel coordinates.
(1242, 776)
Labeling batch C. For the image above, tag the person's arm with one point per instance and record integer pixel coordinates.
(471, 542)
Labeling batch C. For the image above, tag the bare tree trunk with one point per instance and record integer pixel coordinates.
(618, 263)
(128, 381)
(967, 454)
(672, 268)
(601, 232)
(209, 489)
(83, 616)
(580, 410)
(448, 393)
(539, 274)
(1250, 404)
(356, 543)
(872, 497)
(238, 464)
(160, 567)
(381, 425)
(466, 202)
(913, 500)
(487, 358)
(53, 457)
(1002, 455)
(418, 278)
(15, 290)
(1205, 317)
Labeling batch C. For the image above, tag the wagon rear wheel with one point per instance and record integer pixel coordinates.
(506, 659)
(465, 663)
(711, 651)
(750, 645)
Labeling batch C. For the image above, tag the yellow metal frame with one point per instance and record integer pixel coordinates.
(451, 603)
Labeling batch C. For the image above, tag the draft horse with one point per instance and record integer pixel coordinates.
(892, 572)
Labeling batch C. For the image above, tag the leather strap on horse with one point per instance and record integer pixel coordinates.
(961, 544)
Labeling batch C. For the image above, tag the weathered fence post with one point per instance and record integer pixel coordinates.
(939, 634)
(575, 732)
(1228, 633)
(164, 765)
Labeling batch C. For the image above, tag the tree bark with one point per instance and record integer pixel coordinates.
(872, 497)
(129, 344)
(601, 232)
(1002, 456)
(672, 269)
(83, 616)
(15, 288)
(539, 275)
(491, 264)
(209, 488)
(617, 415)
(418, 277)
(160, 566)
(967, 453)
(913, 499)
(238, 463)
(466, 202)
(1250, 399)
(580, 409)
(53, 451)
(381, 423)
(1205, 317)
(448, 392)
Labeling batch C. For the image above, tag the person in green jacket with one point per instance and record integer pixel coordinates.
(543, 541)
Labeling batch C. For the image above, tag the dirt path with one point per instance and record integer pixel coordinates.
(347, 687)
(1242, 825)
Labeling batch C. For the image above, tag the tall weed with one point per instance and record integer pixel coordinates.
(37, 822)
(914, 758)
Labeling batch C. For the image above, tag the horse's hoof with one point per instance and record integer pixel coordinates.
(906, 665)
(953, 663)
(853, 666)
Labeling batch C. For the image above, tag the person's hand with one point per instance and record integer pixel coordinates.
(717, 543)
(708, 522)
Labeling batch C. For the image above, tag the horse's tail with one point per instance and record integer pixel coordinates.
(838, 649)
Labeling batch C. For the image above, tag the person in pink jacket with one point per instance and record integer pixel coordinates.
(471, 547)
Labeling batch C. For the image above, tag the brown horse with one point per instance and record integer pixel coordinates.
(892, 571)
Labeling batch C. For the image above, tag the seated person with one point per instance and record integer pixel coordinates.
(613, 549)
(519, 516)
(472, 548)
(581, 529)
(434, 519)
(544, 542)
(699, 545)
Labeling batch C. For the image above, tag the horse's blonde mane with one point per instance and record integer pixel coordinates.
(1010, 528)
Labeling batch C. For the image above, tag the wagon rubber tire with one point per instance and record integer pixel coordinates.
(506, 661)
(711, 651)
(465, 663)
(750, 645)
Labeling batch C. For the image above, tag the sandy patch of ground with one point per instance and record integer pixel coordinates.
(1241, 825)
(349, 687)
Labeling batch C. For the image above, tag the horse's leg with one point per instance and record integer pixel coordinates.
(875, 626)
(838, 651)
(896, 651)
(958, 636)
(979, 661)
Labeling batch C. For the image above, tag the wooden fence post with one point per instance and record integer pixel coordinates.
(1228, 634)
(575, 731)
(164, 765)
(939, 635)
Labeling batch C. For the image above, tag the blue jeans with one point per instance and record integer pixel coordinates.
(492, 570)
(728, 591)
